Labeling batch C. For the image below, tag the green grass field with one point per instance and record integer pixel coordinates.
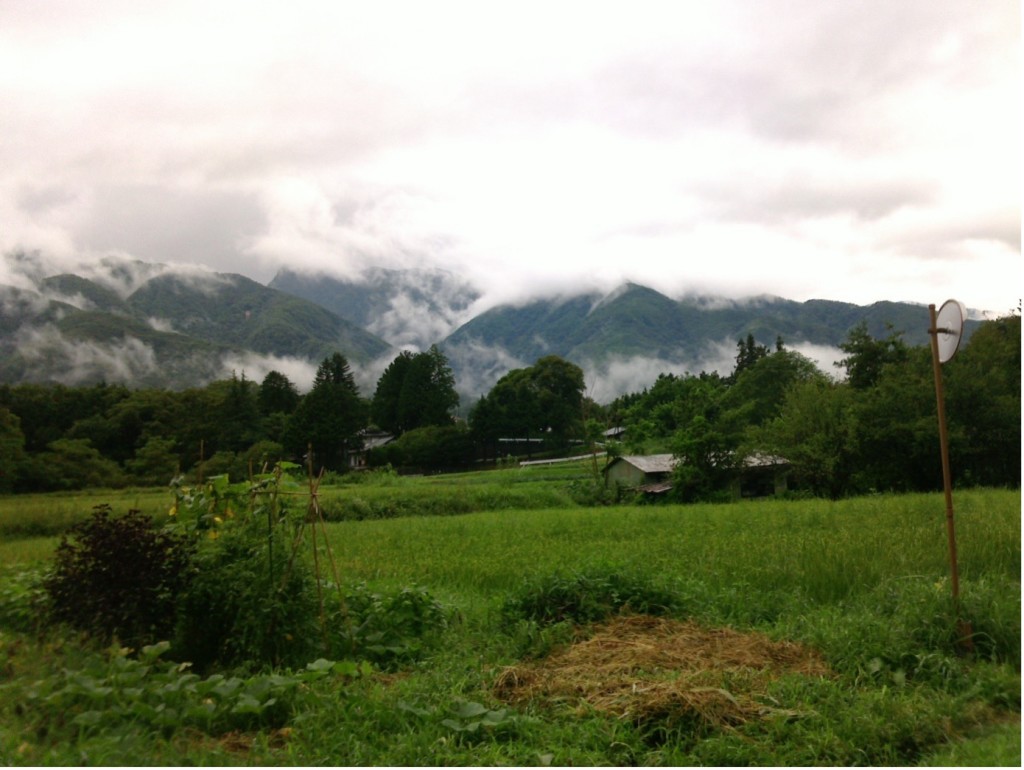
(863, 583)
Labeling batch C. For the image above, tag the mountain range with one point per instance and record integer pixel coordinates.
(153, 325)
(173, 329)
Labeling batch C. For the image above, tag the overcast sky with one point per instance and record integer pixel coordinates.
(836, 149)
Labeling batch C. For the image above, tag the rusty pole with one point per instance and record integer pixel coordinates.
(963, 627)
(944, 446)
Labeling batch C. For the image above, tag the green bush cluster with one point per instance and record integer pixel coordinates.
(119, 577)
(585, 597)
(386, 628)
(231, 582)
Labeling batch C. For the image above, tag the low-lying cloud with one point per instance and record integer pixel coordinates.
(52, 356)
(255, 367)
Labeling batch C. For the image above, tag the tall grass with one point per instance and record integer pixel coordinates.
(822, 551)
(52, 513)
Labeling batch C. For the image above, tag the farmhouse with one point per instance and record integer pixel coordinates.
(371, 440)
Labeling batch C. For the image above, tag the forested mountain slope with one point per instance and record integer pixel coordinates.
(636, 320)
(174, 329)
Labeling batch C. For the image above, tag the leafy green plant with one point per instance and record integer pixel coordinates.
(113, 690)
(119, 577)
(387, 628)
(247, 604)
(584, 597)
(23, 598)
(252, 597)
(472, 722)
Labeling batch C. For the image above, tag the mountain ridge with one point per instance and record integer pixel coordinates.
(172, 329)
(181, 327)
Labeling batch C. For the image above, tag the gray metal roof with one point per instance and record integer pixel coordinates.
(651, 463)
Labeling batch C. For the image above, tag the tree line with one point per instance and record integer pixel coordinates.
(874, 430)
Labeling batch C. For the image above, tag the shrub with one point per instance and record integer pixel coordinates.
(119, 577)
(247, 602)
(386, 628)
(23, 599)
(588, 597)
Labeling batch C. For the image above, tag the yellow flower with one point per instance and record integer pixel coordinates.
(218, 520)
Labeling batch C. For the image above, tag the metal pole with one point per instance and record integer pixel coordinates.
(944, 445)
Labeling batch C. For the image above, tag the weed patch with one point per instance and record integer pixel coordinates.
(584, 597)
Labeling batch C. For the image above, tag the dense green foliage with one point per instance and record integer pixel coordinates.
(875, 430)
(329, 417)
(540, 401)
(588, 597)
(415, 391)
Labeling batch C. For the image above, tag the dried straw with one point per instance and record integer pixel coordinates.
(648, 670)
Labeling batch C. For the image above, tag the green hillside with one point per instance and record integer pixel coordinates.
(236, 311)
(635, 320)
(100, 297)
(174, 331)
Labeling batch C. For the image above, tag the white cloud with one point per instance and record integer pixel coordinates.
(81, 361)
(804, 148)
(255, 367)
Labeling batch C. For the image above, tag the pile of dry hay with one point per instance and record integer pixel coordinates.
(654, 670)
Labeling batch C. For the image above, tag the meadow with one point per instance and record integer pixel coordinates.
(847, 602)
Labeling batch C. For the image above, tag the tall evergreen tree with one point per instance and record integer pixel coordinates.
(748, 353)
(277, 394)
(329, 417)
(384, 408)
(415, 391)
(428, 394)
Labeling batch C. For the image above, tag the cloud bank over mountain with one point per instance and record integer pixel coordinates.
(801, 148)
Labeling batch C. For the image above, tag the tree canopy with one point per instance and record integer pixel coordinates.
(415, 391)
(543, 400)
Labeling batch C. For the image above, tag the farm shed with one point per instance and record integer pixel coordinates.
(761, 475)
(650, 473)
(614, 434)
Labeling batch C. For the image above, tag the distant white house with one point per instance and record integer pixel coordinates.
(371, 440)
